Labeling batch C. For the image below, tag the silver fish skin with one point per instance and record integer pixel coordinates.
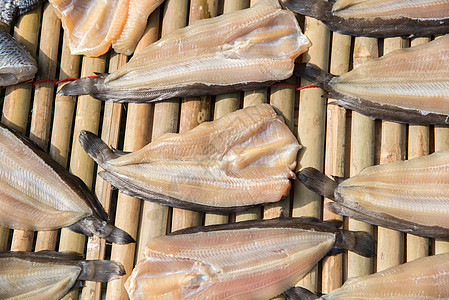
(409, 196)
(407, 85)
(378, 18)
(256, 259)
(10, 9)
(36, 193)
(423, 278)
(48, 275)
(16, 63)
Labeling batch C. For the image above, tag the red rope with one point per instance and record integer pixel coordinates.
(297, 87)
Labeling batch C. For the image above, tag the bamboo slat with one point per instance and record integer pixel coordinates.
(311, 131)
(441, 142)
(332, 268)
(362, 155)
(17, 102)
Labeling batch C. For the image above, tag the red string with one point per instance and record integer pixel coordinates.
(297, 87)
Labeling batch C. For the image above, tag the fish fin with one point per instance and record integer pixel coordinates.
(44, 255)
(313, 74)
(83, 86)
(300, 293)
(102, 75)
(313, 8)
(317, 182)
(360, 242)
(339, 179)
(93, 226)
(119, 152)
(95, 147)
(101, 270)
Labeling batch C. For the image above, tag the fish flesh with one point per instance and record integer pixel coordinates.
(239, 50)
(36, 193)
(92, 26)
(378, 18)
(407, 85)
(255, 259)
(49, 274)
(423, 278)
(16, 63)
(10, 9)
(409, 196)
(243, 159)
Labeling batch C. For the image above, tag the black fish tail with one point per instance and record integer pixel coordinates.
(91, 225)
(360, 242)
(313, 74)
(83, 86)
(317, 9)
(96, 148)
(300, 293)
(101, 270)
(318, 182)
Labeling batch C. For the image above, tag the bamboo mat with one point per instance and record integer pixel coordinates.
(335, 141)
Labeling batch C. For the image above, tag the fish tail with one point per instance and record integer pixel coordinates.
(360, 242)
(300, 293)
(92, 225)
(318, 182)
(313, 8)
(84, 86)
(96, 148)
(313, 74)
(101, 270)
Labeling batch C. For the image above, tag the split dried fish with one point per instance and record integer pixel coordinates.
(16, 64)
(92, 26)
(36, 193)
(407, 85)
(423, 278)
(10, 9)
(49, 274)
(378, 18)
(409, 196)
(239, 50)
(243, 159)
(256, 259)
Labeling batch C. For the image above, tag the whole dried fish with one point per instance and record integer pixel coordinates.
(36, 193)
(239, 50)
(423, 278)
(407, 85)
(49, 274)
(410, 196)
(93, 25)
(378, 18)
(256, 259)
(16, 64)
(10, 9)
(242, 159)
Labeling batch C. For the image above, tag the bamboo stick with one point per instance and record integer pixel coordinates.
(332, 268)
(194, 111)
(362, 155)
(390, 243)
(418, 145)
(311, 131)
(17, 102)
(224, 104)
(137, 134)
(166, 113)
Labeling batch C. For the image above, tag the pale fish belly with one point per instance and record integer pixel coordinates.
(265, 262)
(413, 190)
(411, 79)
(424, 278)
(388, 9)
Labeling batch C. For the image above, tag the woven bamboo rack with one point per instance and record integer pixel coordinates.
(336, 141)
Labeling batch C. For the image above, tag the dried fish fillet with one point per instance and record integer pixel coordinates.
(256, 259)
(93, 25)
(409, 196)
(423, 278)
(238, 50)
(16, 64)
(242, 159)
(36, 193)
(378, 18)
(49, 274)
(407, 85)
(10, 9)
